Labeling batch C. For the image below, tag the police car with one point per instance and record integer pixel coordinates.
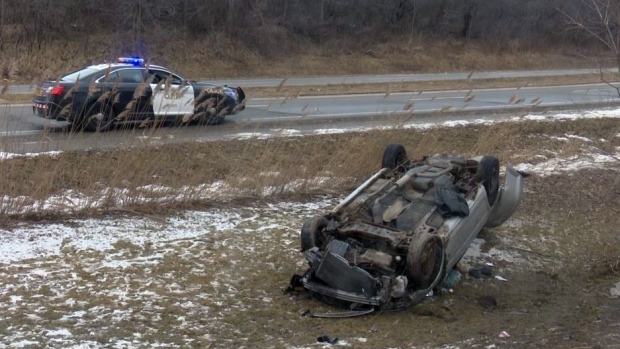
(98, 97)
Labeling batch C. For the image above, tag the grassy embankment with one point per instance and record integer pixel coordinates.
(251, 164)
(240, 162)
(564, 232)
(195, 59)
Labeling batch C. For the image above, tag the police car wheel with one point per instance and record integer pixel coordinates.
(99, 118)
(210, 116)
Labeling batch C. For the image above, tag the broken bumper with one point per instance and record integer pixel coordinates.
(331, 275)
(326, 290)
(509, 198)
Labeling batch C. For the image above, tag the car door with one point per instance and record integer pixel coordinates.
(463, 230)
(130, 95)
(172, 96)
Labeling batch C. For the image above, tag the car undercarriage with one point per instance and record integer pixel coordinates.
(393, 240)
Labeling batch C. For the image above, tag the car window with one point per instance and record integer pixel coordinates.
(80, 74)
(126, 76)
(160, 75)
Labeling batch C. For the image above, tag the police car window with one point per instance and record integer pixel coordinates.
(126, 76)
(163, 75)
(80, 74)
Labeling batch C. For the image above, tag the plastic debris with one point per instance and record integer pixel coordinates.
(504, 334)
(462, 267)
(450, 202)
(450, 280)
(341, 314)
(615, 291)
(500, 278)
(327, 339)
(477, 273)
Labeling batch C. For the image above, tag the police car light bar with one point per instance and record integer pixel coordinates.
(131, 60)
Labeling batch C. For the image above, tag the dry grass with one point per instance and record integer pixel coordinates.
(181, 174)
(331, 89)
(196, 58)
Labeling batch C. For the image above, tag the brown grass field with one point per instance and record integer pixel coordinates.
(196, 59)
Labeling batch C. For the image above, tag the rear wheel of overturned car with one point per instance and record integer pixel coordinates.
(99, 117)
(312, 233)
(424, 259)
(394, 157)
(488, 174)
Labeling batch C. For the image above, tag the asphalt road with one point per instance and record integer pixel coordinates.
(22, 132)
(369, 79)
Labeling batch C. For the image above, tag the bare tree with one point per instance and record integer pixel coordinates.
(600, 20)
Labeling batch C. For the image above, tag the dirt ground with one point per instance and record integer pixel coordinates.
(216, 280)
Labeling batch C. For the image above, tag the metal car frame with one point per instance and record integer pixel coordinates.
(387, 244)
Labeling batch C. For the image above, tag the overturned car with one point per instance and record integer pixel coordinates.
(395, 238)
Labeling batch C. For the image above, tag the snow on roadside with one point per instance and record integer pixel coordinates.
(593, 114)
(284, 132)
(574, 163)
(41, 240)
(8, 156)
(142, 283)
(32, 241)
(72, 201)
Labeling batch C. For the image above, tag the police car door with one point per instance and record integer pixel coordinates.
(171, 96)
(126, 82)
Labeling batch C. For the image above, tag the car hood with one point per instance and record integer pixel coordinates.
(204, 84)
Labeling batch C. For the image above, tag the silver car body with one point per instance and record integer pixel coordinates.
(361, 245)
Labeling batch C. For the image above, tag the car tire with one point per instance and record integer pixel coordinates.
(394, 157)
(209, 116)
(312, 233)
(210, 112)
(98, 118)
(424, 258)
(488, 174)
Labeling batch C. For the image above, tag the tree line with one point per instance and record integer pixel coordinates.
(265, 24)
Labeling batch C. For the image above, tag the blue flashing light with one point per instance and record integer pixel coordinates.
(138, 62)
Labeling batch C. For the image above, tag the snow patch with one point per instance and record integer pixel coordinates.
(8, 156)
(574, 163)
(63, 332)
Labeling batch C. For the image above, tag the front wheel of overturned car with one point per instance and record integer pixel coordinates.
(312, 233)
(99, 117)
(488, 174)
(424, 259)
(394, 157)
